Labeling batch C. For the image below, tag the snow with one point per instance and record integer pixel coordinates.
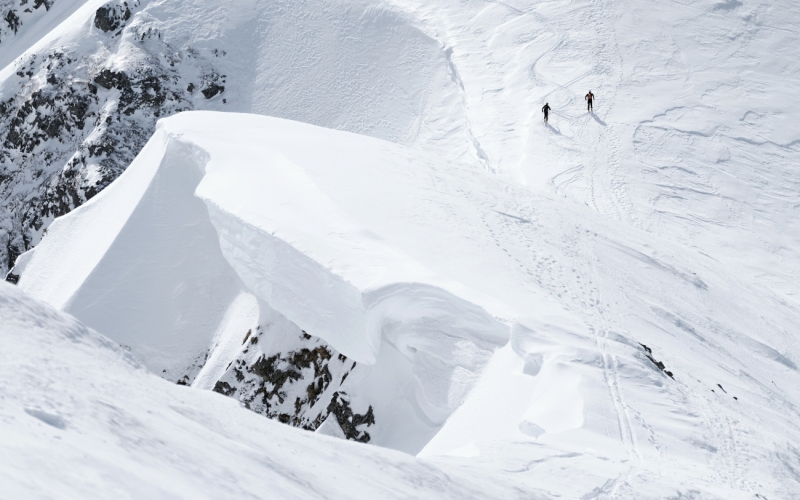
(172, 260)
(118, 280)
(351, 66)
(507, 288)
(341, 234)
(41, 25)
(82, 419)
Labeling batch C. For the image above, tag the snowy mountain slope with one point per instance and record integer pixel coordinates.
(634, 366)
(250, 235)
(24, 23)
(693, 137)
(80, 104)
(654, 236)
(721, 67)
(81, 419)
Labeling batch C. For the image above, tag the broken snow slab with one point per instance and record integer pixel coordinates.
(322, 225)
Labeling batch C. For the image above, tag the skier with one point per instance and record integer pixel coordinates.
(589, 97)
(546, 110)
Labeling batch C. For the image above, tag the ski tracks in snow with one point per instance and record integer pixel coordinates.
(542, 256)
(599, 147)
(600, 328)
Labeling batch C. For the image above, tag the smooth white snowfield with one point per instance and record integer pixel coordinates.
(81, 419)
(421, 266)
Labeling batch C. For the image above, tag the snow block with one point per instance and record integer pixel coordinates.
(294, 240)
(217, 205)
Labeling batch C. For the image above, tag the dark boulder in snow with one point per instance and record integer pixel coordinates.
(111, 17)
(213, 90)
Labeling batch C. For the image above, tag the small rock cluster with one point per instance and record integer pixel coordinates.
(658, 364)
(14, 15)
(301, 387)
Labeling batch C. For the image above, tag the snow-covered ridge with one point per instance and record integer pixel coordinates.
(77, 106)
(341, 283)
(644, 256)
(160, 259)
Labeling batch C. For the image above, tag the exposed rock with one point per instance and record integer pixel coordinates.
(12, 19)
(212, 90)
(212, 84)
(15, 14)
(224, 388)
(658, 364)
(39, 3)
(349, 421)
(299, 386)
(70, 128)
(111, 16)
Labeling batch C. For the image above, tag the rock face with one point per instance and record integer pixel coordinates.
(76, 110)
(302, 385)
(69, 125)
(111, 17)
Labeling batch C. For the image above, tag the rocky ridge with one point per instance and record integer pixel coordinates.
(71, 122)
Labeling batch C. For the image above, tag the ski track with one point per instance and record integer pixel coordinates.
(677, 187)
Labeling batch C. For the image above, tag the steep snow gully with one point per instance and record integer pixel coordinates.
(604, 306)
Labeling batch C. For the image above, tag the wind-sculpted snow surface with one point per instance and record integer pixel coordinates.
(81, 419)
(694, 133)
(643, 257)
(78, 104)
(176, 269)
(364, 288)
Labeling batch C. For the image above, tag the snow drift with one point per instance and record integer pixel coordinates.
(161, 260)
(383, 281)
(644, 256)
(82, 99)
(81, 419)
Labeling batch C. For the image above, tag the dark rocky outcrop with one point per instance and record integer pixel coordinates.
(72, 128)
(350, 421)
(14, 14)
(45, 137)
(13, 21)
(300, 386)
(47, 4)
(658, 364)
(212, 90)
(111, 17)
